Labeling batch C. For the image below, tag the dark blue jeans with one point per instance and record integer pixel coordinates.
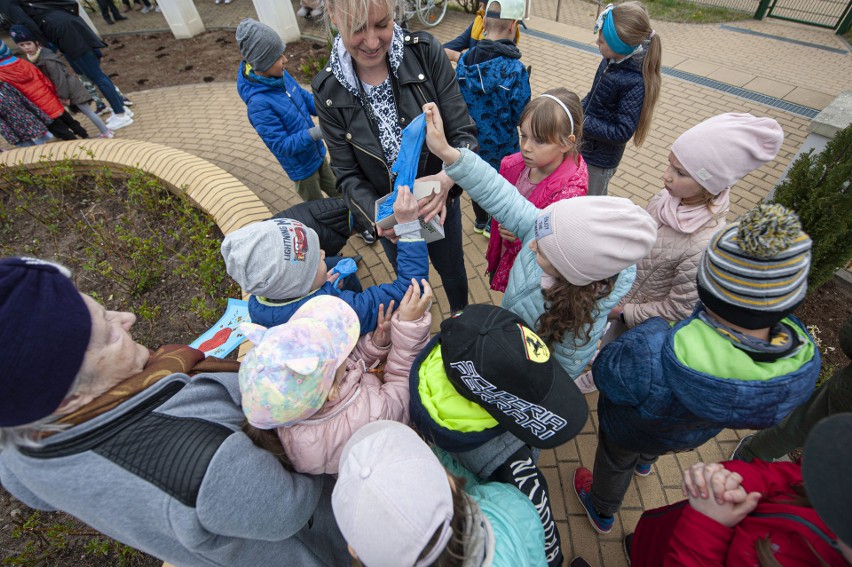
(88, 64)
(447, 257)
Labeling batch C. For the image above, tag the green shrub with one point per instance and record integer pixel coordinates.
(818, 189)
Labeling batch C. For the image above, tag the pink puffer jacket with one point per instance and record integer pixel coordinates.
(315, 444)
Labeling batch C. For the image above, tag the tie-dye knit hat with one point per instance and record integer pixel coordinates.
(755, 273)
(287, 375)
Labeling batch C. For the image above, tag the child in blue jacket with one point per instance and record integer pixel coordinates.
(279, 262)
(496, 87)
(280, 110)
(739, 361)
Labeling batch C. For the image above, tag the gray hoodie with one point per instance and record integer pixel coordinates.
(170, 473)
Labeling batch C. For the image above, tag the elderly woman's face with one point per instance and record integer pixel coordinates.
(112, 354)
(369, 44)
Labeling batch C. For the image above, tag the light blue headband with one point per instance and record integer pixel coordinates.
(611, 36)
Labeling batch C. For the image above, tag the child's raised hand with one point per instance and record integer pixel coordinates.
(381, 336)
(405, 206)
(414, 304)
(436, 140)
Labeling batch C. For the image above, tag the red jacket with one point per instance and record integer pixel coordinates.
(26, 77)
(678, 535)
(568, 180)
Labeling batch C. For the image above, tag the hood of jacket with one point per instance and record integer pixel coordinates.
(443, 436)
(488, 74)
(759, 396)
(248, 86)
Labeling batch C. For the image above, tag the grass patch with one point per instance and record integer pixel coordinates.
(130, 243)
(687, 12)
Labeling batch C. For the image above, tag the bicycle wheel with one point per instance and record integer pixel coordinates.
(431, 12)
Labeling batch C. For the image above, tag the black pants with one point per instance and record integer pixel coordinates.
(613, 471)
(65, 127)
(520, 470)
(108, 7)
(480, 214)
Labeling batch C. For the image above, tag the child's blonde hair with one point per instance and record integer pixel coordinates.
(634, 27)
(548, 121)
(352, 15)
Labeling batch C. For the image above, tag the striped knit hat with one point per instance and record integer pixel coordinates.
(755, 273)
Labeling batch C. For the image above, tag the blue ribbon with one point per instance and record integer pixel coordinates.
(406, 162)
(611, 36)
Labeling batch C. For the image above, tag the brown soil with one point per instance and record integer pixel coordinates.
(150, 61)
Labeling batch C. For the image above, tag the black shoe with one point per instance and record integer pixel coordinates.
(367, 236)
(109, 21)
(119, 17)
(628, 543)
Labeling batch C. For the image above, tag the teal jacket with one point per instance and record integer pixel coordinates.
(523, 293)
(518, 535)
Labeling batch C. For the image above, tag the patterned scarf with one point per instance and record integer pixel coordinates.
(379, 98)
(165, 361)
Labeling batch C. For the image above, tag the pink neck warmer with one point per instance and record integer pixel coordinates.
(687, 219)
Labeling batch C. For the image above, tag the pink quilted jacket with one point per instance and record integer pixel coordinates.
(314, 445)
(568, 180)
(665, 279)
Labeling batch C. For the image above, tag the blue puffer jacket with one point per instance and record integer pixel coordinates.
(412, 262)
(282, 119)
(667, 388)
(523, 293)
(496, 87)
(611, 110)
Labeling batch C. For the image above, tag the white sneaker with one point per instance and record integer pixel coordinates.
(118, 121)
(107, 134)
(303, 12)
(586, 382)
(146, 9)
(157, 9)
(316, 12)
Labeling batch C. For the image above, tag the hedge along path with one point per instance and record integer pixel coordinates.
(226, 199)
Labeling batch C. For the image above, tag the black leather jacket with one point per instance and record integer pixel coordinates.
(363, 175)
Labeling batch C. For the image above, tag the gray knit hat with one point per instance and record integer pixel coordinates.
(260, 45)
(754, 273)
(275, 259)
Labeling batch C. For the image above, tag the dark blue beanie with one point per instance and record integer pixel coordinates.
(45, 329)
(21, 33)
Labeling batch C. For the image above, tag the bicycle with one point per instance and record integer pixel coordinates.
(429, 12)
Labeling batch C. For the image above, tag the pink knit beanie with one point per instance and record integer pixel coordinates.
(593, 238)
(722, 150)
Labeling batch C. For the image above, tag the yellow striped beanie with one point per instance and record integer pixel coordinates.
(755, 273)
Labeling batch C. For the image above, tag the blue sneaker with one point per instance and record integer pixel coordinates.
(479, 227)
(583, 490)
(642, 470)
(486, 232)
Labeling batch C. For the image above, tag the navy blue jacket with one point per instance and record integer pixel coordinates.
(412, 262)
(611, 111)
(282, 118)
(652, 402)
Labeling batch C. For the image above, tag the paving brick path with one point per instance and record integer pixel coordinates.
(209, 121)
